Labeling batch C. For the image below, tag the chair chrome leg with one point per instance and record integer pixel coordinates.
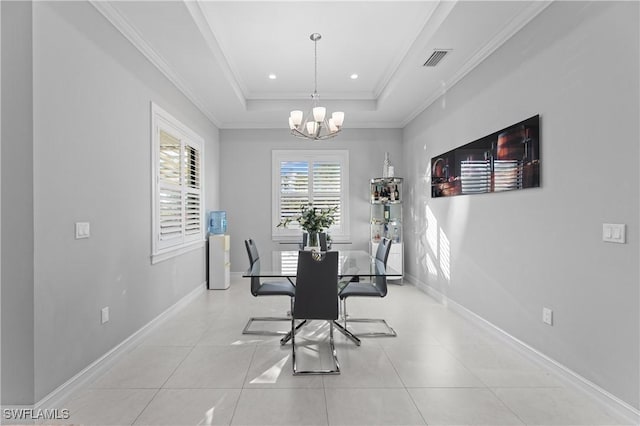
(292, 336)
(333, 347)
(268, 319)
(296, 372)
(389, 333)
(347, 333)
(264, 332)
(287, 336)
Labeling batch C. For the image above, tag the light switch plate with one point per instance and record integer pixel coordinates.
(614, 233)
(104, 315)
(83, 230)
(547, 316)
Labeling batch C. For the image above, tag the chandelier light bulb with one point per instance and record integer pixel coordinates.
(312, 127)
(332, 126)
(296, 117)
(338, 118)
(319, 113)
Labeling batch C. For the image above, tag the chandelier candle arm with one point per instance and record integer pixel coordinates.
(315, 125)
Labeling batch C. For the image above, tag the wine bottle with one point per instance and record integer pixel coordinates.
(396, 194)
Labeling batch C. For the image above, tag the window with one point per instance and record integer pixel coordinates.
(178, 222)
(301, 177)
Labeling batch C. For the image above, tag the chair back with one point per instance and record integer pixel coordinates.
(252, 251)
(254, 262)
(382, 255)
(322, 237)
(384, 248)
(316, 286)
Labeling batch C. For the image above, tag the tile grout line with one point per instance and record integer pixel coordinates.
(326, 405)
(165, 381)
(406, 389)
(506, 405)
(244, 380)
(146, 406)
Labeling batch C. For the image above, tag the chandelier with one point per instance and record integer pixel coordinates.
(315, 125)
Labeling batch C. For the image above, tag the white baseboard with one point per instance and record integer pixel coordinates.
(62, 393)
(608, 400)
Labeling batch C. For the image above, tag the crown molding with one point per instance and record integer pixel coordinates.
(121, 24)
(228, 69)
(508, 31)
(432, 24)
(439, 15)
(248, 125)
(303, 96)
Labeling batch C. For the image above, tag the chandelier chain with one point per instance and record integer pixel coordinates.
(315, 55)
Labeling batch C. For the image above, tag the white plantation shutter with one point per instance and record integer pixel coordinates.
(178, 221)
(294, 188)
(193, 208)
(170, 192)
(303, 177)
(327, 185)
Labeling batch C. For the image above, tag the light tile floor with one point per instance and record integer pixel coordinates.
(197, 368)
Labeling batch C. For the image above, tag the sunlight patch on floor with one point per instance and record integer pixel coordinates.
(272, 373)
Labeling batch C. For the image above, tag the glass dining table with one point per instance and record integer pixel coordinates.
(352, 266)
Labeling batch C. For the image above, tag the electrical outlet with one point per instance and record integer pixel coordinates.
(104, 314)
(547, 316)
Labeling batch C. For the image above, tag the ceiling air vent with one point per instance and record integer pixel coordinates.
(436, 57)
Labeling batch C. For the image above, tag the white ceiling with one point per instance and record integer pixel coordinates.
(220, 53)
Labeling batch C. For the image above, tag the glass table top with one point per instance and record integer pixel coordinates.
(351, 263)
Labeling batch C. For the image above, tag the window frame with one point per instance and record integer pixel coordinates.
(161, 120)
(341, 157)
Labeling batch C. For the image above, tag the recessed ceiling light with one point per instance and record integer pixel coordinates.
(354, 76)
(272, 76)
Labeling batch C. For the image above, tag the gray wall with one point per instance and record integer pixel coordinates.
(17, 203)
(246, 180)
(91, 162)
(513, 253)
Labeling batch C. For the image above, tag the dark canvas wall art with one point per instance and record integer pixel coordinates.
(506, 160)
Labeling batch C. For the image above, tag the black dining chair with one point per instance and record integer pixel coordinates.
(316, 299)
(269, 288)
(376, 288)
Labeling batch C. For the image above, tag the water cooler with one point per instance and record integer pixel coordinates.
(219, 244)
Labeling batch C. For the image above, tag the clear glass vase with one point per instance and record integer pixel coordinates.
(313, 241)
